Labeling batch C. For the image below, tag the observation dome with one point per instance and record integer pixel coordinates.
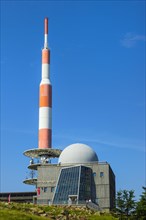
(78, 153)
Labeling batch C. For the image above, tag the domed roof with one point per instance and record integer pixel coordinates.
(77, 153)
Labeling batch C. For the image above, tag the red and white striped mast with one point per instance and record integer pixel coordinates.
(45, 97)
(44, 151)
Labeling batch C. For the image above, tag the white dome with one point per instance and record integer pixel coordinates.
(78, 153)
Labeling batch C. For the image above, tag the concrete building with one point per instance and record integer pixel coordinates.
(17, 196)
(78, 177)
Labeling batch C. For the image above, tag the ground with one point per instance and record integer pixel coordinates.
(24, 211)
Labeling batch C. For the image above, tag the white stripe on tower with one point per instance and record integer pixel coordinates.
(45, 105)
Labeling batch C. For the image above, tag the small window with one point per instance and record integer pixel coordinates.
(45, 189)
(94, 174)
(52, 189)
(101, 174)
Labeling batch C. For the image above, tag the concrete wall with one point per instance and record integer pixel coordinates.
(103, 183)
(47, 180)
(112, 188)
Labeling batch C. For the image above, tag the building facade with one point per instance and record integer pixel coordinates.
(76, 184)
(78, 177)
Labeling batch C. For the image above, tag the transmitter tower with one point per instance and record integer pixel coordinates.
(44, 152)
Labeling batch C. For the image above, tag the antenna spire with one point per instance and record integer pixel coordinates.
(46, 33)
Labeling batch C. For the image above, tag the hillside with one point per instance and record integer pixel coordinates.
(24, 211)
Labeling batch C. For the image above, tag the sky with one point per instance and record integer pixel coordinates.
(98, 78)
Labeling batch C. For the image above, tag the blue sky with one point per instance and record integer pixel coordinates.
(98, 78)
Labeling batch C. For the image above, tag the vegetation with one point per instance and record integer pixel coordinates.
(128, 208)
(141, 206)
(23, 211)
(125, 203)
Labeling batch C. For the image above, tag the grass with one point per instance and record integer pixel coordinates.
(18, 215)
(101, 218)
(24, 211)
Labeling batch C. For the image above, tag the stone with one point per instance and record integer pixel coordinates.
(41, 212)
(43, 215)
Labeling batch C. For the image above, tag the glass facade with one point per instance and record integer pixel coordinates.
(74, 185)
(85, 184)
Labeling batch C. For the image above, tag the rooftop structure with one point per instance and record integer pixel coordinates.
(77, 153)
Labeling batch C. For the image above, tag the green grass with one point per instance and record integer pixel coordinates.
(18, 215)
(94, 217)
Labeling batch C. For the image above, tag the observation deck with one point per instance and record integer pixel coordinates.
(47, 152)
(31, 181)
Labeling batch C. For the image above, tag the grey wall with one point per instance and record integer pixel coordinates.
(103, 186)
(47, 178)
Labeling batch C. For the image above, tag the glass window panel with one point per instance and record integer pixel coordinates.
(67, 184)
(73, 180)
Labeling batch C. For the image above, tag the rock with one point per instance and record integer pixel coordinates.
(59, 216)
(52, 217)
(97, 213)
(40, 212)
(101, 213)
(43, 215)
(34, 209)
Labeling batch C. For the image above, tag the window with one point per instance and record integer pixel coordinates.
(68, 184)
(94, 174)
(45, 189)
(101, 174)
(52, 189)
